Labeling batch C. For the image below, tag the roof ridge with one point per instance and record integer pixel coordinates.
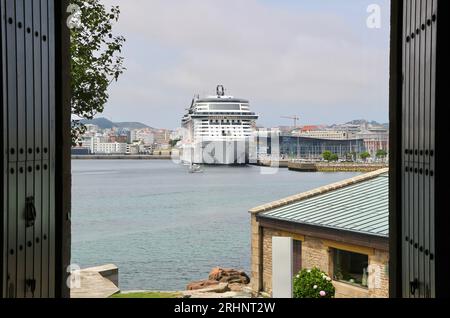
(318, 191)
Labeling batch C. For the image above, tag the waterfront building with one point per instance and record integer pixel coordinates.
(110, 148)
(161, 137)
(341, 228)
(146, 136)
(326, 134)
(132, 136)
(375, 139)
(217, 130)
(307, 148)
(133, 149)
(118, 139)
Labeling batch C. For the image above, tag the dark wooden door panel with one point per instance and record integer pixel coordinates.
(28, 131)
(418, 147)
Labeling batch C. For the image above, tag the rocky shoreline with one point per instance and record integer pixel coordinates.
(221, 283)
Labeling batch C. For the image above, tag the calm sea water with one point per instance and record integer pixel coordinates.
(165, 227)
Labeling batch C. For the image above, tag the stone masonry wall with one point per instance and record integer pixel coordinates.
(379, 274)
(314, 254)
(255, 257)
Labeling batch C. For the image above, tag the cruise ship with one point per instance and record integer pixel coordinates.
(217, 130)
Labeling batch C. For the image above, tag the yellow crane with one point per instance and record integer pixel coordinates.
(294, 118)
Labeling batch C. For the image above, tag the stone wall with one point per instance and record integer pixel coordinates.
(335, 167)
(255, 280)
(267, 259)
(354, 167)
(315, 253)
(379, 274)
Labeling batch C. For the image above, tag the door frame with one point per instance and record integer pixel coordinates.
(63, 148)
(63, 145)
(395, 145)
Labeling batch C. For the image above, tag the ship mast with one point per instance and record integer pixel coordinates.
(220, 91)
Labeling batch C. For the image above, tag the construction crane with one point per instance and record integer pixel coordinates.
(294, 118)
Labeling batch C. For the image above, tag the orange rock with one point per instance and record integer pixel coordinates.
(226, 275)
(202, 284)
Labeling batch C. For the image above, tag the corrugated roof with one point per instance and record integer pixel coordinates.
(362, 207)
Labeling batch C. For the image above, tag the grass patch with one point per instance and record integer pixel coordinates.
(147, 295)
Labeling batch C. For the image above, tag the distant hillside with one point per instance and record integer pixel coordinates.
(363, 121)
(131, 125)
(104, 123)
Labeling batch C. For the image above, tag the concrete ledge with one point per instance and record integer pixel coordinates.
(96, 282)
(109, 271)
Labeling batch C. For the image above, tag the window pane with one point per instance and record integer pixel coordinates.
(350, 267)
(224, 106)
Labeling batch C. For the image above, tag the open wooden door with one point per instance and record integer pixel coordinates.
(30, 223)
(420, 218)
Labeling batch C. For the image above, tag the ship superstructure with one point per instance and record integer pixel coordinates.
(217, 130)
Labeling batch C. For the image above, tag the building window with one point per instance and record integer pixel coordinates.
(297, 255)
(350, 267)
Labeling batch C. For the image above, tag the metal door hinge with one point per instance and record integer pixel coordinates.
(31, 285)
(30, 212)
(413, 286)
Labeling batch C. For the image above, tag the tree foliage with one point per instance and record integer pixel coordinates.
(313, 283)
(329, 156)
(364, 156)
(174, 142)
(381, 153)
(96, 60)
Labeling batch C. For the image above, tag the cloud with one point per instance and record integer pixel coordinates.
(283, 58)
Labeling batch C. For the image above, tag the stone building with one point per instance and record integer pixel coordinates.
(340, 228)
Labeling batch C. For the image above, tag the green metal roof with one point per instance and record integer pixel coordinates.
(361, 208)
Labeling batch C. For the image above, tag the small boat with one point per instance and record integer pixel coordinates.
(194, 168)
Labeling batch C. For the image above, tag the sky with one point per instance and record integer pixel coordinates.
(316, 59)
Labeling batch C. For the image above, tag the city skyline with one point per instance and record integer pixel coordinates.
(285, 70)
(123, 123)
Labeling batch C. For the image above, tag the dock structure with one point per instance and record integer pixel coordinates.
(335, 167)
(273, 163)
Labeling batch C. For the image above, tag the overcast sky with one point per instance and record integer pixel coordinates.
(313, 58)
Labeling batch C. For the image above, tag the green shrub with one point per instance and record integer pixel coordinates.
(313, 283)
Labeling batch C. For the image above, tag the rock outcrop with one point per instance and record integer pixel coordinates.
(221, 283)
(230, 276)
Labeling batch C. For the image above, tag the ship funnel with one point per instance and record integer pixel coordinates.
(220, 90)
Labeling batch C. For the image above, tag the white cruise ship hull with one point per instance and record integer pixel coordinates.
(217, 152)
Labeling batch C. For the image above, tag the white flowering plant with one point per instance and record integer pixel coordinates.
(313, 283)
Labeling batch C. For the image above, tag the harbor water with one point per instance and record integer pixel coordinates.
(164, 227)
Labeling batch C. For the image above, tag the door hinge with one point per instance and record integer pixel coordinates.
(30, 212)
(413, 286)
